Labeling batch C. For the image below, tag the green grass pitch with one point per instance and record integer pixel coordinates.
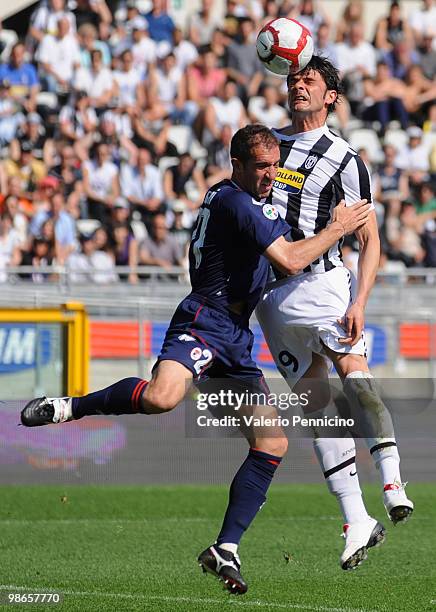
(134, 548)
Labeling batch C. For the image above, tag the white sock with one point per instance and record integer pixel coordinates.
(233, 548)
(383, 448)
(387, 461)
(337, 458)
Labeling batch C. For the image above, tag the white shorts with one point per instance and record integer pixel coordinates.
(299, 314)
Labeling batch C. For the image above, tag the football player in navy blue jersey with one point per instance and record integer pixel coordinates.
(236, 236)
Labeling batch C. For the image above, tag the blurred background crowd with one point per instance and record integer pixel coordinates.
(114, 121)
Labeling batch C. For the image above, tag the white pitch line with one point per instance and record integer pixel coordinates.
(173, 519)
(181, 599)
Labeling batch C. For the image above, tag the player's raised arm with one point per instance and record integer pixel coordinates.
(292, 257)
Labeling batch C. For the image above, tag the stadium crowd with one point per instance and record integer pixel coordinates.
(114, 122)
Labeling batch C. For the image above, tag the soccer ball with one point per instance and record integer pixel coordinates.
(284, 46)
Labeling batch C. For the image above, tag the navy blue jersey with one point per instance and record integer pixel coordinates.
(226, 261)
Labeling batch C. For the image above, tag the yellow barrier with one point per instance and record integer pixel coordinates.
(74, 318)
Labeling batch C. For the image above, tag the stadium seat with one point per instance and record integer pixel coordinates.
(181, 137)
(167, 162)
(139, 230)
(47, 98)
(367, 139)
(396, 138)
(87, 226)
(9, 38)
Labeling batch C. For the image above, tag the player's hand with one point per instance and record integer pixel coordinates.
(353, 323)
(352, 217)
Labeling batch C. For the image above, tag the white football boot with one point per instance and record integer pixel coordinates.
(358, 538)
(397, 504)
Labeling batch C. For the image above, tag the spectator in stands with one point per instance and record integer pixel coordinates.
(184, 51)
(33, 132)
(28, 169)
(219, 166)
(100, 183)
(10, 119)
(94, 12)
(205, 78)
(311, 13)
(87, 37)
(40, 254)
(423, 21)
(429, 126)
(144, 49)
(181, 227)
(125, 245)
(356, 60)
(19, 219)
(429, 243)
(418, 91)
(266, 109)
(128, 88)
(392, 29)
(203, 23)
(391, 180)
(219, 43)
(64, 227)
(243, 64)
(352, 14)
(401, 58)
(22, 78)
(115, 130)
(428, 56)
(70, 173)
(167, 93)
(160, 25)
(78, 122)
(185, 181)
(12, 188)
(97, 81)
(414, 157)
(386, 94)
(324, 45)
(91, 265)
(10, 254)
(141, 184)
(44, 20)
(425, 203)
(160, 248)
(225, 108)
(58, 57)
(153, 135)
(403, 235)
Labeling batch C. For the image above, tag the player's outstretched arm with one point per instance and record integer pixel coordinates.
(292, 257)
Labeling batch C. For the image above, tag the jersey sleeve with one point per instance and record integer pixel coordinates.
(258, 222)
(356, 182)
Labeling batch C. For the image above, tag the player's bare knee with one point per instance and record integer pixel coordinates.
(157, 400)
(273, 446)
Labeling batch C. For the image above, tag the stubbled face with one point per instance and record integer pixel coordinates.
(308, 93)
(256, 175)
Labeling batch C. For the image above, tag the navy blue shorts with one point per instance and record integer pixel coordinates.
(212, 344)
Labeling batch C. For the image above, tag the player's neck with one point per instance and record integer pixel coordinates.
(306, 123)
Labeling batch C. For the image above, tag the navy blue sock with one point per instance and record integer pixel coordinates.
(247, 494)
(123, 397)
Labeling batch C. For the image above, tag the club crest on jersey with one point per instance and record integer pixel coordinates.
(310, 161)
(270, 211)
(289, 180)
(196, 353)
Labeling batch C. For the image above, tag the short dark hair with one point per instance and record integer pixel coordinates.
(329, 73)
(249, 137)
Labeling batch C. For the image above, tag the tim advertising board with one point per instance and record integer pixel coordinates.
(22, 345)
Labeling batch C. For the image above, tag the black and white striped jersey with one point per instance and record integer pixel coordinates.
(317, 170)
